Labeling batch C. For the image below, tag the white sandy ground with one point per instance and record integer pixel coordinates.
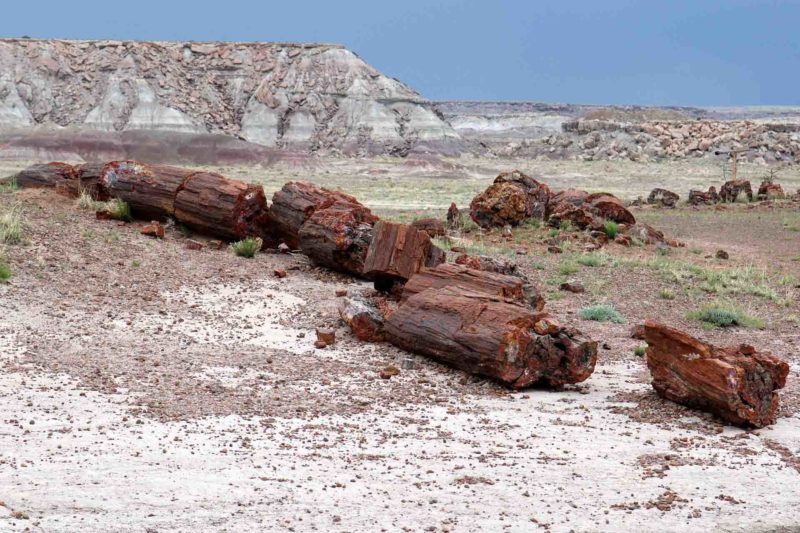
(76, 460)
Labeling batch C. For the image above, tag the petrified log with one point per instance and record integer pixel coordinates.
(578, 217)
(365, 320)
(490, 336)
(512, 198)
(490, 264)
(296, 202)
(701, 198)
(396, 253)
(731, 190)
(735, 383)
(432, 226)
(149, 190)
(338, 237)
(609, 207)
(663, 197)
(769, 190)
(469, 279)
(215, 205)
(90, 180)
(47, 175)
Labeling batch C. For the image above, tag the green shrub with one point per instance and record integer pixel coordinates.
(601, 313)
(639, 351)
(533, 223)
(248, 247)
(553, 232)
(119, 210)
(722, 316)
(610, 228)
(565, 225)
(567, 268)
(5, 270)
(11, 228)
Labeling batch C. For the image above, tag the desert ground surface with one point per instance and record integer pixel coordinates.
(148, 387)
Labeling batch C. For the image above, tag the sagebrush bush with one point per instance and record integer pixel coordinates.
(610, 228)
(601, 313)
(723, 316)
(248, 247)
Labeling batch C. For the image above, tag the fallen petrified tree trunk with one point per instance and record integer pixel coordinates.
(731, 190)
(149, 190)
(396, 253)
(47, 175)
(215, 205)
(468, 279)
(89, 180)
(735, 383)
(491, 336)
(338, 237)
(703, 198)
(296, 202)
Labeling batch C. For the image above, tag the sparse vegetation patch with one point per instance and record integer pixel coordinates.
(248, 247)
(601, 313)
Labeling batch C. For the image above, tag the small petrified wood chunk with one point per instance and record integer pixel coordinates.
(365, 320)
(736, 383)
(469, 279)
(491, 336)
(663, 197)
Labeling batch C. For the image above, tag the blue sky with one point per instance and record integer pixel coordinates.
(678, 52)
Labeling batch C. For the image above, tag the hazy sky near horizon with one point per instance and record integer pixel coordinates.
(678, 52)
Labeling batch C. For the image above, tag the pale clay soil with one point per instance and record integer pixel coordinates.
(146, 387)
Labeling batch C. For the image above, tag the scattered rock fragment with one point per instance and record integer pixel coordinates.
(279, 272)
(191, 244)
(573, 286)
(663, 198)
(364, 318)
(153, 229)
(328, 336)
(721, 254)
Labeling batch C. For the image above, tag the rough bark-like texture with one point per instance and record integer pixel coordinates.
(90, 180)
(296, 202)
(396, 253)
(436, 256)
(663, 197)
(769, 190)
(578, 217)
(731, 190)
(149, 190)
(492, 337)
(364, 319)
(609, 207)
(432, 226)
(735, 383)
(511, 199)
(338, 237)
(215, 205)
(47, 175)
(469, 279)
(490, 264)
(703, 198)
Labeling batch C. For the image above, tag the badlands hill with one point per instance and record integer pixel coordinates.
(307, 97)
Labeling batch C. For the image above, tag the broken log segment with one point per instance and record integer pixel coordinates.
(47, 175)
(149, 190)
(491, 336)
(221, 207)
(468, 279)
(338, 237)
(512, 198)
(296, 202)
(736, 383)
(396, 253)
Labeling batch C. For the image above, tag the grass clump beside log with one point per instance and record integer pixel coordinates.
(610, 228)
(119, 210)
(86, 202)
(9, 185)
(601, 313)
(11, 227)
(719, 315)
(248, 247)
